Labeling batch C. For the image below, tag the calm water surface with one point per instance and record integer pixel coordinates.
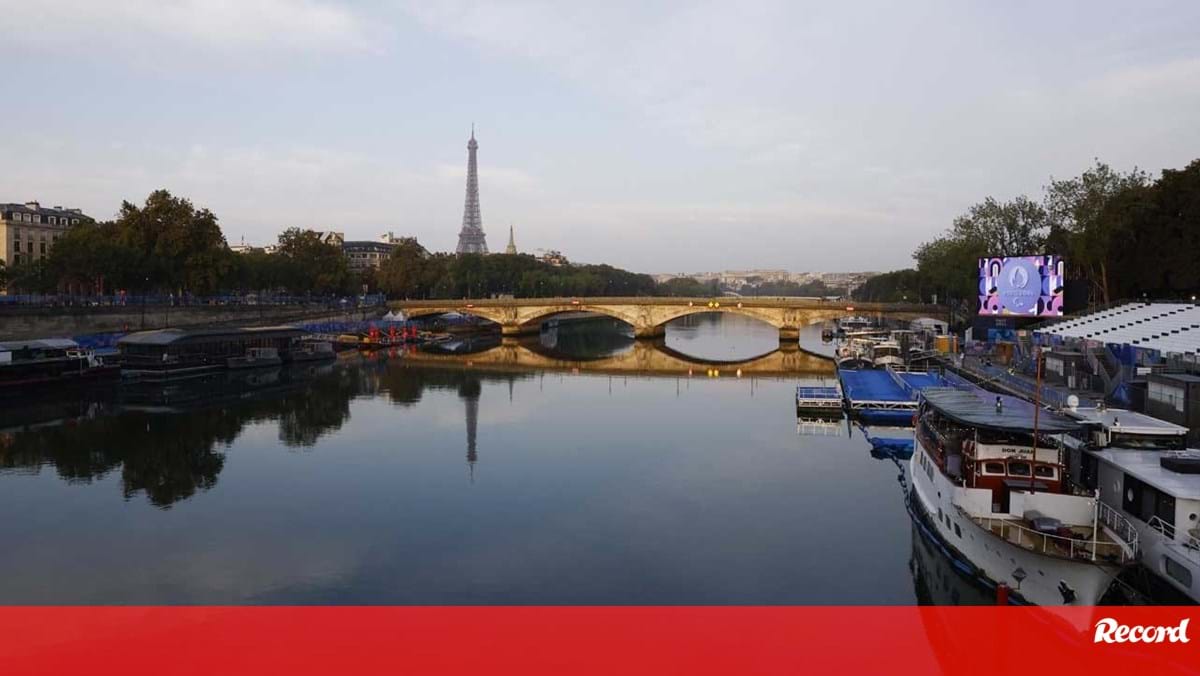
(457, 479)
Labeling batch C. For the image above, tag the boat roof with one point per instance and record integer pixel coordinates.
(1145, 466)
(1125, 421)
(171, 336)
(977, 408)
(38, 344)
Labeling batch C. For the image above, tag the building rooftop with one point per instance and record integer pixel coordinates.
(1128, 422)
(368, 244)
(36, 208)
(1178, 377)
(1146, 466)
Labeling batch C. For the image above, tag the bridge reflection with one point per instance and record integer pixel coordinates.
(646, 357)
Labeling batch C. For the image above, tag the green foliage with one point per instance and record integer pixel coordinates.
(30, 277)
(412, 272)
(308, 265)
(1155, 235)
(949, 265)
(894, 287)
(815, 288)
(179, 248)
(1101, 222)
(1083, 224)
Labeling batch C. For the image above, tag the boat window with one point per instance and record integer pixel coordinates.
(995, 468)
(1045, 471)
(1146, 502)
(1018, 468)
(1177, 571)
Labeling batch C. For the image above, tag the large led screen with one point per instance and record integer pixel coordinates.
(1021, 286)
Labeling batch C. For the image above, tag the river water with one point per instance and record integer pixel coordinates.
(578, 467)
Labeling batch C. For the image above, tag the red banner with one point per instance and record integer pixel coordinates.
(598, 640)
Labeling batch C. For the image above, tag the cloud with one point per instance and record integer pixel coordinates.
(1170, 77)
(213, 25)
(686, 70)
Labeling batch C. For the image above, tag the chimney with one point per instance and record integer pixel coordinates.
(33, 205)
(999, 404)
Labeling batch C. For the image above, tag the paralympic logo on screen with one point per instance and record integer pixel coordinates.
(1024, 286)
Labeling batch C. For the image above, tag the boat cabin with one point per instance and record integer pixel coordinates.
(1117, 429)
(179, 349)
(990, 445)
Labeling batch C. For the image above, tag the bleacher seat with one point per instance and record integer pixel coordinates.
(1158, 326)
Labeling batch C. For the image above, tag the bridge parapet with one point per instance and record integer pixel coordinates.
(649, 315)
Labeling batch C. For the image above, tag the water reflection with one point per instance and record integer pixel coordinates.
(168, 441)
(721, 337)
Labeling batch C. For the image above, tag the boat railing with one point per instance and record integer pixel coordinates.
(1118, 524)
(1189, 541)
(1061, 546)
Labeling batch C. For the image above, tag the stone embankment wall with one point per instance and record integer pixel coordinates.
(18, 323)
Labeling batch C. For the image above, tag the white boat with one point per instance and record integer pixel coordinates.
(849, 324)
(854, 354)
(885, 353)
(1141, 468)
(987, 479)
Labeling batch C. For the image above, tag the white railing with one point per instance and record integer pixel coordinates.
(1119, 525)
(1079, 549)
(1189, 541)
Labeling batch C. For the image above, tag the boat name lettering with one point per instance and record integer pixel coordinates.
(1008, 450)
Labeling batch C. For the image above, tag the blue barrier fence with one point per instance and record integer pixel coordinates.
(186, 300)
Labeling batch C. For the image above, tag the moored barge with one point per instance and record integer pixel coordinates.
(28, 364)
(184, 353)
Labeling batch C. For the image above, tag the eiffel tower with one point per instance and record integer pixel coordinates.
(471, 238)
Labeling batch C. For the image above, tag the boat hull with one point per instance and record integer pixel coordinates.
(998, 560)
(1156, 548)
(238, 363)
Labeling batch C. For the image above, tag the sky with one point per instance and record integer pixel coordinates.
(659, 137)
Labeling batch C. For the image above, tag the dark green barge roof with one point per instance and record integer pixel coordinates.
(165, 337)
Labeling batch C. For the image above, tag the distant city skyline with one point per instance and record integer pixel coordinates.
(797, 135)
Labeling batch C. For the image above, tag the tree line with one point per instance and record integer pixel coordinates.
(1121, 233)
(168, 245)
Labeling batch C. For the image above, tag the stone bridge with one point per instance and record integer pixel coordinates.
(649, 315)
(645, 357)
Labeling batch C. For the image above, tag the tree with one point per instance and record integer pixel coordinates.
(91, 258)
(1080, 228)
(180, 247)
(31, 277)
(892, 287)
(1155, 236)
(310, 264)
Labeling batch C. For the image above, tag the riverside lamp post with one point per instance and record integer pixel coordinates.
(144, 290)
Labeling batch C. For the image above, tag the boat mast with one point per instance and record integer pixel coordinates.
(1037, 405)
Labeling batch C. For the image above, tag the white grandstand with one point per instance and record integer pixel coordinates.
(1166, 327)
